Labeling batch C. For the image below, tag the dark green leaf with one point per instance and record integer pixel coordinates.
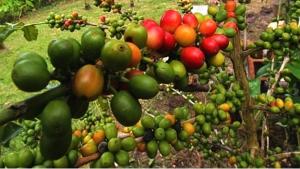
(5, 31)
(263, 70)
(295, 53)
(294, 67)
(29, 3)
(9, 131)
(296, 99)
(30, 32)
(254, 86)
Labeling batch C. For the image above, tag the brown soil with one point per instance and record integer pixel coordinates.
(259, 16)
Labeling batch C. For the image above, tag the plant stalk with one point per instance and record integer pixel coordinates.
(247, 114)
(27, 106)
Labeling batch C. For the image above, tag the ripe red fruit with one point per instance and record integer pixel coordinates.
(191, 20)
(102, 18)
(133, 72)
(231, 24)
(222, 40)
(155, 37)
(169, 42)
(230, 6)
(208, 27)
(170, 21)
(210, 46)
(147, 23)
(231, 15)
(68, 23)
(130, 74)
(192, 57)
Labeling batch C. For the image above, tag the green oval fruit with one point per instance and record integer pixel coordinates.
(199, 108)
(178, 68)
(48, 164)
(206, 128)
(26, 158)
(158, 119)
(178, 146)
(275, 109)
(78, 106)
(236, 125)
(200, 119)
(122, 158)
(159, 134)
(107, 160)
(148, 122)
(229, 32)
(138, 131)
(55, 147)
(164, 148)
(126, 108)
(92, 42)
(111, 131)
(152, 148)
(143, 86)
(61, 53)
(61, 162)
(116, 55)
(114, 144)
(128, 144)
(183, 135)
(72, 157)
(56, 118)
(30, 76)
(11, 160)
(240, 9)
(32, 56)
(221, 15)
(165, 123)
(171, 135)
(222, 115)
(210, 108)
(220, 98)
(164, 72)
(39, 166)
(94, 29)
(136, 34)
(96, 164)
(39, 159)
(75, 60)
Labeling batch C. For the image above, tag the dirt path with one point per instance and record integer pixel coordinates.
(259, 16)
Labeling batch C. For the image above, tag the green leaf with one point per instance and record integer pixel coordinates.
(294, 67)
(254, 87)
(9, 131)
(29, 3)
(5, 31)
(296, 99)
(30, 32)
(263, 70)
(295, 53)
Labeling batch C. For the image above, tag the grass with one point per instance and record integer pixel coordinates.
(16, 43)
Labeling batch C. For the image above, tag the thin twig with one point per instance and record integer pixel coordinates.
(248, 52)
(184, 96)
(262, 139)
(191, 120)
(277, 75)
(286, 155)
(84, 160)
